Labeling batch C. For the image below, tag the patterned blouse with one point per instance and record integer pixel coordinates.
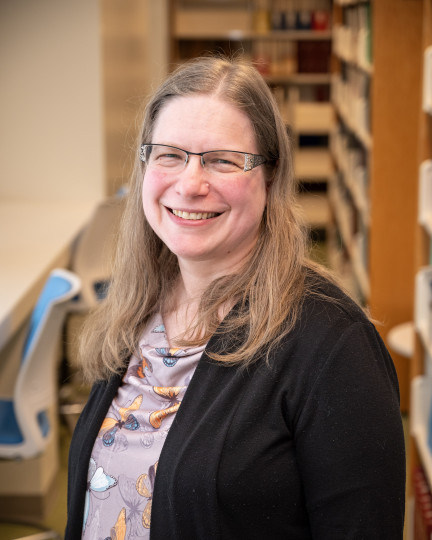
(125, 455)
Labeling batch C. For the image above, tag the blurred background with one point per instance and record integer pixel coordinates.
(353, 80)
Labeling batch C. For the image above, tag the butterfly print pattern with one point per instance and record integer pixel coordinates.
(97, 482)
(145, 486)
(125, 456)
(118, 532)
(171, 393)
(171, 355)
(123, 419)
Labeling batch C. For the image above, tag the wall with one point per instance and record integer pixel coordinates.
(51, 135)
(135, 43)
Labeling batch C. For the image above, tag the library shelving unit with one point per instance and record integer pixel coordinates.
(421, 370)
(376, 87)
(290, 44)
(351, 144)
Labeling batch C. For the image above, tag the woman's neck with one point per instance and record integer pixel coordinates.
(181, 309)
(179, 315)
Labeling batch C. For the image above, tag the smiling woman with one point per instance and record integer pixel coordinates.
(238, 392)
(232, 199)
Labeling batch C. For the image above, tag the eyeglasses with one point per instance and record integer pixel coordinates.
(173, 159)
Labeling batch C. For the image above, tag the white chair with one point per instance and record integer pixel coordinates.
(25, 428)
(92, 259)
(94, 251)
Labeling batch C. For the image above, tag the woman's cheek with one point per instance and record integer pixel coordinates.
(154, 181)
(154, 187)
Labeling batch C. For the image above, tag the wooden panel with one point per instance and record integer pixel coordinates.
(396, 101)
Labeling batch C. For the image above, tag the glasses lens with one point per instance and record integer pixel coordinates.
(165, 157)
(224, 161)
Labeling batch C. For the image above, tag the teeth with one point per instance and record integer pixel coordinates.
(194, 215)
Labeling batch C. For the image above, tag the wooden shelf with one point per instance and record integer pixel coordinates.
(353, 242)
(353, 44)
(421, 389)
(425, 196)
(362, 66)
(315, 209)
(427, 80)
(348, 3)
(313, 164)
(316, 118)
(299, 79)
(192, 34)
(354, 175)
(423, 307)
(347, 106)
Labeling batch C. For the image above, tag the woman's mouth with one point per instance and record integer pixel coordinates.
(194, 215)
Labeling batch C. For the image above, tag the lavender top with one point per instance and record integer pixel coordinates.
(125, 455)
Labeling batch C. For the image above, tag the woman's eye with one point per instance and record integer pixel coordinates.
(169, 159)
(229, 162)
(224, 163)
(169, 156)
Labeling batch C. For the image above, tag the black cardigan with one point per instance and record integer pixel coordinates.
(309, 446)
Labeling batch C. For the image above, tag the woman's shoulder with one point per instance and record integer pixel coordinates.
(325, 297)
(328, 316)
(331, 331)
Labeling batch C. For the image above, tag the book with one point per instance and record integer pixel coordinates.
(422, 523)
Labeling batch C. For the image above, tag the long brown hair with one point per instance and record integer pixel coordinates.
(269, 288)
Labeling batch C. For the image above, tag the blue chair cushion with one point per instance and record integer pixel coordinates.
(43, 422)
(10, 432)
(55, 286)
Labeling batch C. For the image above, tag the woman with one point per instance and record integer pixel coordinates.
(289, 423)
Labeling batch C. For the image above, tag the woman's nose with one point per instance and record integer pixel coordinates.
(192, 180)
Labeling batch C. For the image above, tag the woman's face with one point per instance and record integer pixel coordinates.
(231, 205)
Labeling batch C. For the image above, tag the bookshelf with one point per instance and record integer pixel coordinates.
(290, 44)
(420, 450)
(377, 67)
(351, 144)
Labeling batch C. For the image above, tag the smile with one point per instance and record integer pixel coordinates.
(194, 215)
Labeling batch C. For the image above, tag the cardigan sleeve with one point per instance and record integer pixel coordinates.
(350, 444)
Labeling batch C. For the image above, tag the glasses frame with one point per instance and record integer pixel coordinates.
(251, 160)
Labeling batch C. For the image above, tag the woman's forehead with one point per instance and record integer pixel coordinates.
(204, 118)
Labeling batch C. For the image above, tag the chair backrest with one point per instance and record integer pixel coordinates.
(35, 389)
(94, 251)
